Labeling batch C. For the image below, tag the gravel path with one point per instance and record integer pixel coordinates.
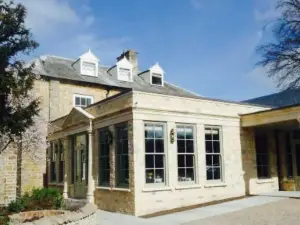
(283, 212)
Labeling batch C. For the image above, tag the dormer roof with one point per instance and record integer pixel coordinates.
(124, 63)
(89, 56)
(156, 68)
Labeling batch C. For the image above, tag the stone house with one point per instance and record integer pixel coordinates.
(131, 142)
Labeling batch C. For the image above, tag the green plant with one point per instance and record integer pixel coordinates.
(46, 198)
(16, 206)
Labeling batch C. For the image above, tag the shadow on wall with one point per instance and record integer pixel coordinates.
(249, 164)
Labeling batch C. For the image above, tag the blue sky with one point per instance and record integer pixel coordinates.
(206, 46)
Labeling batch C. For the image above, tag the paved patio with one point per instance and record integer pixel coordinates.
(243, 210)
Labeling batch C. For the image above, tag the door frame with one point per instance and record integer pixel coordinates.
(80, 176)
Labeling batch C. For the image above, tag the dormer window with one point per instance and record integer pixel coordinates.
(88, 69)
(87, 64)
(124, 74)
(156, 75)
(124, 70)
(156, 79)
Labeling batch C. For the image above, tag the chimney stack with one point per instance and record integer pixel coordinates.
(131, 56)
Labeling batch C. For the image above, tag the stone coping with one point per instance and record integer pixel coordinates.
(85, 215)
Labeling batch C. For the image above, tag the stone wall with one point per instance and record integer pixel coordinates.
(20, 173)
(112, 198)
(171, 111)
(84, 216)
(253, 184)
(8, 175)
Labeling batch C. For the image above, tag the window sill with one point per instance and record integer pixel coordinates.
(103, 188)
(215, 185)
(191, 186)
(153, 189)
(113, 189)
(265, 181)
(121, 189)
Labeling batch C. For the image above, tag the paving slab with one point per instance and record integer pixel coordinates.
(282, 212)
(188, 216)
(288, 194)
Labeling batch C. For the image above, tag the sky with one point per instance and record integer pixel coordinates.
(206, 46)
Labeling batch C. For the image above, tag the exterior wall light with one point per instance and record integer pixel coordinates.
(172, 133)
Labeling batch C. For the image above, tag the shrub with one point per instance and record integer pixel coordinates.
(46, 198)
(41, 198)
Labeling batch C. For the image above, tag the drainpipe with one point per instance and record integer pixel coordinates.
(91, 185)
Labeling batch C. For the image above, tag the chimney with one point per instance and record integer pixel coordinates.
(131, 56)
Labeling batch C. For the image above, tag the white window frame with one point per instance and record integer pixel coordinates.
(193, 126)
(90, 62)
(153, 74)
(82, 96)
(222, 172)
(165, 141)
(122, 78)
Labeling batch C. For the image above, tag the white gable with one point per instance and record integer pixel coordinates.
(124, 63)
(89, 56)
(88, 64)
(124, 68)
(156, 68)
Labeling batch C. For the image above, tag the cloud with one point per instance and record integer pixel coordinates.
(266, 12)
(45, 16)
(260, 77)
(64, 30)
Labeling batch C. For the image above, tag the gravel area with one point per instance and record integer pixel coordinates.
(283, 212)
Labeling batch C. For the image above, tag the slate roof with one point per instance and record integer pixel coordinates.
(280, 99)
(61, 68)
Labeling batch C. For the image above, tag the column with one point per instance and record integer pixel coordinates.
(91, 185)
(66, 167)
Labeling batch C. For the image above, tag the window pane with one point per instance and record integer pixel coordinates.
(159, 176)
(150, 176)
(149, 145)
(125, 147)
(216, 160)
(159, 161)
(189, 160)
(208, 146)
(180, 132)
(77, 101)
(180, 146)
(88, 101)
(149, 161)
(215, 133)
(208, 134)
(189, 133)
(217, 173)
(83, 101)
(181, 160)
(209, 160)
(181, 174)
(158, 131)
(122, 165)
(156, 80)
(149, 131)
(159, 145)
(190, 174)
(216, 146)
(190, 146)
(209, 173)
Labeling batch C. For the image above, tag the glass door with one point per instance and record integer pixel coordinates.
(80, 181)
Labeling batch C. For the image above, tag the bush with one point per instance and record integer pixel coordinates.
(46, 198)
(41, 198)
